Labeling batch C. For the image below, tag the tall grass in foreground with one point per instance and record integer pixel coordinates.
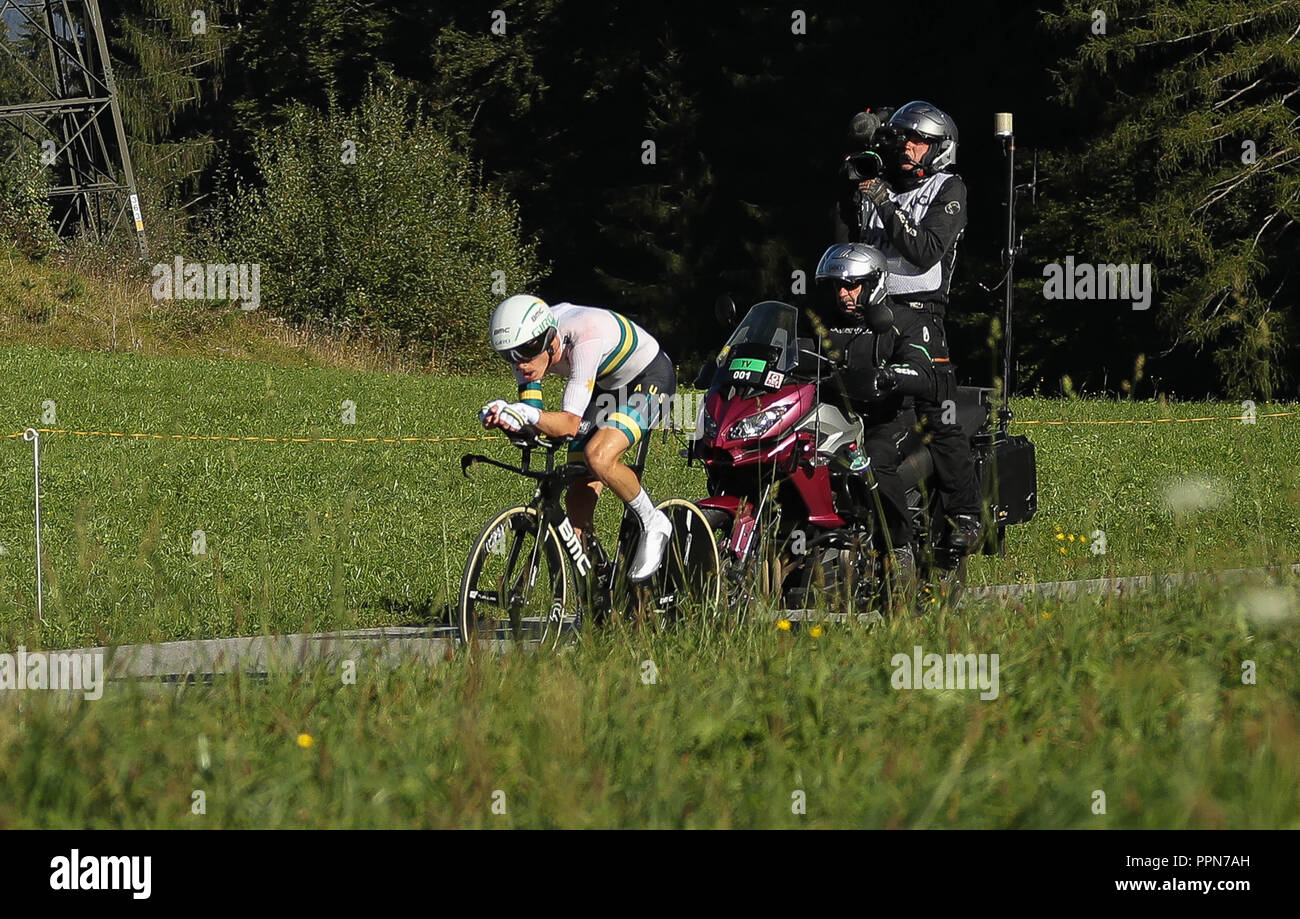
(1141, 699)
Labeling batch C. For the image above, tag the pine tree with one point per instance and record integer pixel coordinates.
(169, 59)
(1194, 165)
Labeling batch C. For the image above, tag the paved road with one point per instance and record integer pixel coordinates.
(187, 661)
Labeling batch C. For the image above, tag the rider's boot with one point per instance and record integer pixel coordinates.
(655, 530)
(965, 532)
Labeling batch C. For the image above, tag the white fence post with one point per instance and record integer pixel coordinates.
(33, 435)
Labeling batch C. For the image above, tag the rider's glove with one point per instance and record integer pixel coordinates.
(876, 191)
(516, 415)
(883, 382)
(494, 406)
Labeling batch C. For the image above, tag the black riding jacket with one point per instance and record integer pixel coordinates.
(918, 230)
(903, 351)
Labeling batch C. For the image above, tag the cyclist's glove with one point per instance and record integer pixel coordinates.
(517, 415)
(494, 406)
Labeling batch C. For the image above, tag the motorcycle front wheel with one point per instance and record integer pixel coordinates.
(840, 576)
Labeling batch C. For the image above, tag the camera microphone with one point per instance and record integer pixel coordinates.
(863, 128)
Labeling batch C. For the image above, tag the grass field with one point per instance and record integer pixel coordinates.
(1141, 698)
(303, 536)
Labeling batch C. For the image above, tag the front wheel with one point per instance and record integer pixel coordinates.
(515, 584)
(840, 576)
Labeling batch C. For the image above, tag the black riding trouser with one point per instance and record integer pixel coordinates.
(880, 443)
(954, 467)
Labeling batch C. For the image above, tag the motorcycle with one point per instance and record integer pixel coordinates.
(794, 514)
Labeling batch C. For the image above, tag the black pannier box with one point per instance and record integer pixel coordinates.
(1010, 479)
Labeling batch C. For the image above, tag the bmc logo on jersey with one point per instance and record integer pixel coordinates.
(574, 545)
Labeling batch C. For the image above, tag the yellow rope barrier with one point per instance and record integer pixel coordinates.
(1237, 418)
(286, 440)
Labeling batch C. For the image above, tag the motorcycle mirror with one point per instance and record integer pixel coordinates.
(880, 318)
(724, 309)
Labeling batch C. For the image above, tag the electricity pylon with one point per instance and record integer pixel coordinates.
(77, 122)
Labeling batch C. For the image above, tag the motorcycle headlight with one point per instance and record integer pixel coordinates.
(756, 425)
(708, 425)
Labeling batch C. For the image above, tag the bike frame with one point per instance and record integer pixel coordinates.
(596, 569)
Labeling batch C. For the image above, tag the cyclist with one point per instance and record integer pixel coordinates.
(618, 379)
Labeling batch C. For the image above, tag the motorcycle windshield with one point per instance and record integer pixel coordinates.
(764, 342)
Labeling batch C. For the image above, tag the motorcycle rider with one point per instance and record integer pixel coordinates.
(859, 276)
(618, 380)
(916, 214)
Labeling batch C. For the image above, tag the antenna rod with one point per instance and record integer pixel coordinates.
(1002, 127)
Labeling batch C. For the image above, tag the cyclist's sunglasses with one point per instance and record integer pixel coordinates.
(529, 349)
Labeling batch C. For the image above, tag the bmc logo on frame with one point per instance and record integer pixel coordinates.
(574, 545)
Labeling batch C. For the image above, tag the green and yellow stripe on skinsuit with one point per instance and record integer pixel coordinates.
(627, 342)
(531, 394)
(627, 420)
(629, 423)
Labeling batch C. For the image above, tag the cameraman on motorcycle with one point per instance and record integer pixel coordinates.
(859, 278)
(914, 210)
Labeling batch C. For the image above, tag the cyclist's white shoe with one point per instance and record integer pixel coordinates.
(650, 549)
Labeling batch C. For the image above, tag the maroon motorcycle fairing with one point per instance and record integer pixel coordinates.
(727, 413)
(780, 447)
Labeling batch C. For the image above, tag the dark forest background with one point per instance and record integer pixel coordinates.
(1139, 122)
